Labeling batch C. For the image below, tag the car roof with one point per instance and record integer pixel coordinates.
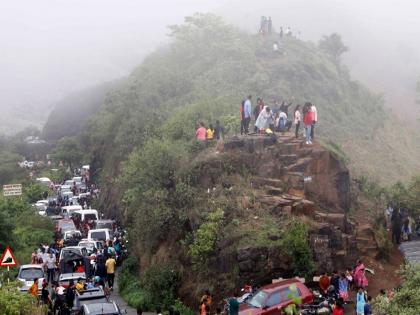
(105, 221)
(91, 294)
(31, 266)
(99, 230)
(87, 211)
(101, 308)
(72, 276)
(283, 283)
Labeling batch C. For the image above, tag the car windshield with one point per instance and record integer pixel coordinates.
(98, 235)
(90, 216)
(104, 225)
(31, 273)
(87, 244)
(258, 299)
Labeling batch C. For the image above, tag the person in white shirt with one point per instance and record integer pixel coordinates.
(297, 118)
(313, 109)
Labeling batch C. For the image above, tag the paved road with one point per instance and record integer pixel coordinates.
(411, 251)
(115, 296)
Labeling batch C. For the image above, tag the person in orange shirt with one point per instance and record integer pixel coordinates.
(33, 290)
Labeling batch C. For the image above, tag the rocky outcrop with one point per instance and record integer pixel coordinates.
(296, 180)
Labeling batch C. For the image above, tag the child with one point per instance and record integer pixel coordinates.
(343, 286)
(360, 302)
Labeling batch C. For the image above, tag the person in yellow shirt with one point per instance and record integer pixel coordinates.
(110, 265)
(210, 133)
(80, 286)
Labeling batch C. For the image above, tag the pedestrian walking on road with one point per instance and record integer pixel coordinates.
(50, 263)
(110, 271)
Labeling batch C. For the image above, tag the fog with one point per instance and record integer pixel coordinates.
(49, 49)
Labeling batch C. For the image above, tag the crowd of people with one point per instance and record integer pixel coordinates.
(276, 119)
(401, 223)
(266, 27)
(341, 285)
(97, 264)
(210, 133)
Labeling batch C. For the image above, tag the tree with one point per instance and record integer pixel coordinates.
(333, 46)
(68, 151)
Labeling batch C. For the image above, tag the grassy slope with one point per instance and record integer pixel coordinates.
(211, 66)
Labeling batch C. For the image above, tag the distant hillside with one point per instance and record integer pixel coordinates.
(69, 116)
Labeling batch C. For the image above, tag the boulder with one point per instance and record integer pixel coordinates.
(304, 207)
(246, 266)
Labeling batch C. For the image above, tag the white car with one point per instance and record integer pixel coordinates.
(90, 245)
(86, 215)
(69, 210)
(44, 181)
(27, 274)
(100, 234)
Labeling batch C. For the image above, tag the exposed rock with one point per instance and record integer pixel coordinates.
(304, 207)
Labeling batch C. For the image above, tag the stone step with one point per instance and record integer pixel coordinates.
(300, 166)
(274, 191)
(287, 159)
(259, 182)
(365, 230)
(365, 241)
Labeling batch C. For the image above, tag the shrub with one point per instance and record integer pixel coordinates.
(205, 238)
(296, 245)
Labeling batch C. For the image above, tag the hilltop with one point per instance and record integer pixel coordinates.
(211, 66)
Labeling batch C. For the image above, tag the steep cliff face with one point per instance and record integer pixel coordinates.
(266, 182)
(296, 180)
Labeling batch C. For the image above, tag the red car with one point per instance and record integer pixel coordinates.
(273, 298)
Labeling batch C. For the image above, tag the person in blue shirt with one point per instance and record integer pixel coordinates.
(368, 306)
(247, 113)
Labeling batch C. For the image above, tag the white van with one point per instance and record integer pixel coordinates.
(88, 215)
(100, 234)
(69, 210)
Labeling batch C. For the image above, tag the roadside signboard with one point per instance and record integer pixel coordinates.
(12, 190)
(8, 259)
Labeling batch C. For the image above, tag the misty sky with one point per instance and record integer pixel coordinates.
(51, 48)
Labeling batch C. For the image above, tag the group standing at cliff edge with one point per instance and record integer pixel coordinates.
(268, 120)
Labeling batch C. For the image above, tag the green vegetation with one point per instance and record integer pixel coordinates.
(156, 289)
(296, 245)
(21, 228)
(69, 151)
(12, 302)
(407, 298)
(205, 239)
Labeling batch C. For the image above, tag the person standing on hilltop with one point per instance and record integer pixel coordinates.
(257, 110)
(269, 25)
(210, 132)
(297, 119)
(201, 132)
(242, 111)
(219, 130)
(315, 113)
(307, 121)
(247, 113)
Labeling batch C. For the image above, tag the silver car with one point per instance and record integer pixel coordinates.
(27, 274)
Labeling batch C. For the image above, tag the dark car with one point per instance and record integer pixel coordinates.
(89, 296)
(273, 298)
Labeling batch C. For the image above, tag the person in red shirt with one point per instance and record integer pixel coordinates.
(324, 283)
(308, 119)
(338, 309)
(201, 133)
